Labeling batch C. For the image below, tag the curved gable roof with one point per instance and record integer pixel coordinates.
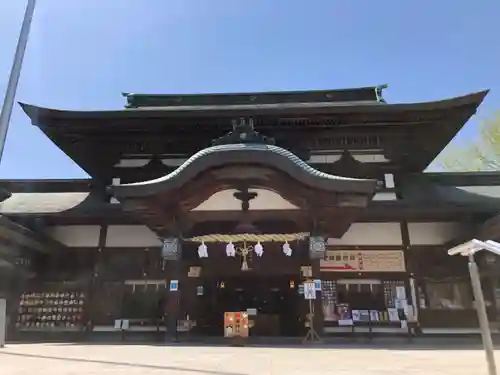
(244, 154)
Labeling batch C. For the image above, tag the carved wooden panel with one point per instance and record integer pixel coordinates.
(206, 184)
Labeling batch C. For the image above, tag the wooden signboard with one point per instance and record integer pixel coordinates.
(363, 261)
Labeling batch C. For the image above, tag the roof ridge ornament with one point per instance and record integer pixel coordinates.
(243, 132)
(378, 93)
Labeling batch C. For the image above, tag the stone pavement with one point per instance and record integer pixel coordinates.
(76, 359)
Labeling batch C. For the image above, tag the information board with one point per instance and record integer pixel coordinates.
(363, 261)
(309, 290)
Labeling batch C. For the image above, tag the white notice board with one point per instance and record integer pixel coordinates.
(309, 290)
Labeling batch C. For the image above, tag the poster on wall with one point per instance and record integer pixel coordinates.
(317, 285)
(344, 314)
(174, 285)
(329, 300)
(330, 312)
(363, 261)
(236, 324)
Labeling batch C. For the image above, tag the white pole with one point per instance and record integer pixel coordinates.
(3, 321)
(482, 315)
(6, 112)
(10, 93)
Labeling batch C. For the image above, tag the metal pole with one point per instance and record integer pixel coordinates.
(482, 316)
(3, 321)
(10, 93)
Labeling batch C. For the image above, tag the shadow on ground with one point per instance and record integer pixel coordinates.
(128, 364)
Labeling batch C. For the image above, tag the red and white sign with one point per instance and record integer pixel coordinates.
(363, 261)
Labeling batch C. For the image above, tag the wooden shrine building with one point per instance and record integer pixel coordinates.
(202, 204)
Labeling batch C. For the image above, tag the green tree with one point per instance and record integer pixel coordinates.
(481, 153)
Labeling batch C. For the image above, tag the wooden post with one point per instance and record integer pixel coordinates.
(318, 302)
(96, 281)
(171, 252)
(173, 300)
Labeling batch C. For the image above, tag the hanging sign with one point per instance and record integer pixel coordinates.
(363, 261)
(170, 249)
(317, 247)
(174, 285)
(309, 290)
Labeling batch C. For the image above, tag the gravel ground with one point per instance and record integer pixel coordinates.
(73, 359)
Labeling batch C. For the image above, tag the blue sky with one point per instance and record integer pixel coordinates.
(83, 53)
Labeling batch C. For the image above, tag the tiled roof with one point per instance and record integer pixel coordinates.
(42, 203)
(418, 189)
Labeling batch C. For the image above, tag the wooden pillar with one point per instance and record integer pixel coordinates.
(317, 251)
(171, 252)
(318, 305)
(97, 277)
(411, 282)
(189, 297)
(173, 300)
